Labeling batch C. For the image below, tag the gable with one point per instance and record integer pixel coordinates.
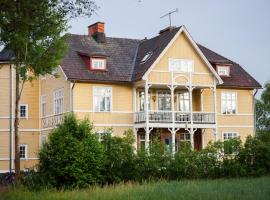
(182, 47)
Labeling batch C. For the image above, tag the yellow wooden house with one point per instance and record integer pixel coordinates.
(168, 87)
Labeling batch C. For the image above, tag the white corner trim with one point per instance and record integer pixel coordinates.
(63, 72)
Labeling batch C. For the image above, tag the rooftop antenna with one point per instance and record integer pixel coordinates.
(169, 14)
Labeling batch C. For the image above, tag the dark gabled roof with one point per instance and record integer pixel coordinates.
(124, 58)
(120, 54)
(155, 46)
(6, 55)
(238, 76)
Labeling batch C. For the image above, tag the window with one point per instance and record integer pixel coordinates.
(43, 105)
(147, 56)
(23, 112)
(58, 97)
(183, 102)
(23, 151)
(98, 63)
(141, 101)
(184, 137)
(101, 134)
(142, 141)
(228, 103)
(102, 99)
(44, 139)
(223, 70)
(164, 101)
(181, 65)
(229, 135)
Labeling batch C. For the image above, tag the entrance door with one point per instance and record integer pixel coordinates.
(198, 140)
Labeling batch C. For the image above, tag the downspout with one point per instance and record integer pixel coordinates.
(10, 118)
(72, 85)
(254, 111)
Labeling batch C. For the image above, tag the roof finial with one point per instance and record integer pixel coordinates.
(169, 14)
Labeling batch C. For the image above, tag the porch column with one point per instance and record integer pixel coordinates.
(147, 138)
(135, 145)
(147, 129)
(173, 142)
(192, 138)
(215, 110)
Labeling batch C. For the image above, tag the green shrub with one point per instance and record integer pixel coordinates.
(119, 158)
(153, 163)
(72, 157)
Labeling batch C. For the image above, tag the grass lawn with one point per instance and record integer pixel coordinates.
(249, 188)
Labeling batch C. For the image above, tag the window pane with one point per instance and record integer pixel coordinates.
(102, 99)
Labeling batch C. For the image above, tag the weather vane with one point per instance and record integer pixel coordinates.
(169, 14)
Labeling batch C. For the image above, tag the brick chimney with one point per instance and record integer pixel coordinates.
(96, 31)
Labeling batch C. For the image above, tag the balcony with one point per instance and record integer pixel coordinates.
(179, 117)
(52, 120)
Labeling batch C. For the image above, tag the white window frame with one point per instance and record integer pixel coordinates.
(157, 98)
(182, 64)
(111, 97)
(54, 101)
(25, 149)
(236, 103)
(179, 99)
(149, 99)
(101, 62)
(26, 111)
(43, 101)
(221, 69)
(101, 133)
(234, 135)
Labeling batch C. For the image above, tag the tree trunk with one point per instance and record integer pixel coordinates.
(16, 125)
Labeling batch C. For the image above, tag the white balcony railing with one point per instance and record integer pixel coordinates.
(180, 117)
(52, 120)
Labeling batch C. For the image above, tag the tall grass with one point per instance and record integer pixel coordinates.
(245, 188)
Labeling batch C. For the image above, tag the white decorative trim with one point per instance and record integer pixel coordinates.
(63, 72)
(7, 159)
(114, 125)
(194, 73)
(236, 126)
(183, 29)
(238, 114)
(21, 130)
(115, 111)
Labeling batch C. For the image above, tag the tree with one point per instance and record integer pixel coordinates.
(73, 156)
(34, 31)
(263, 110)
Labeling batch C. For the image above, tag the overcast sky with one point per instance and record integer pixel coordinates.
(237, 29)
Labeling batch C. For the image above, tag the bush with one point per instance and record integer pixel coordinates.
(73, 157)
(119, 158)
(153, 163)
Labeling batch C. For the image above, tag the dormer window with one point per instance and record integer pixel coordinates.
(146, 57)
(98, 63)
(223, 70)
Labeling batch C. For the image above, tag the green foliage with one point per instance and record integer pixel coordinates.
(263, 110)
(119, 158)
(73, 157)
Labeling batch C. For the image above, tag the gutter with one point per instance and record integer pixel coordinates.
(10, 118)
(254, 110)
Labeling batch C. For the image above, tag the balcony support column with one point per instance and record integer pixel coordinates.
(173, 132)
(147, 128)
(135, 145)
(215, 109)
